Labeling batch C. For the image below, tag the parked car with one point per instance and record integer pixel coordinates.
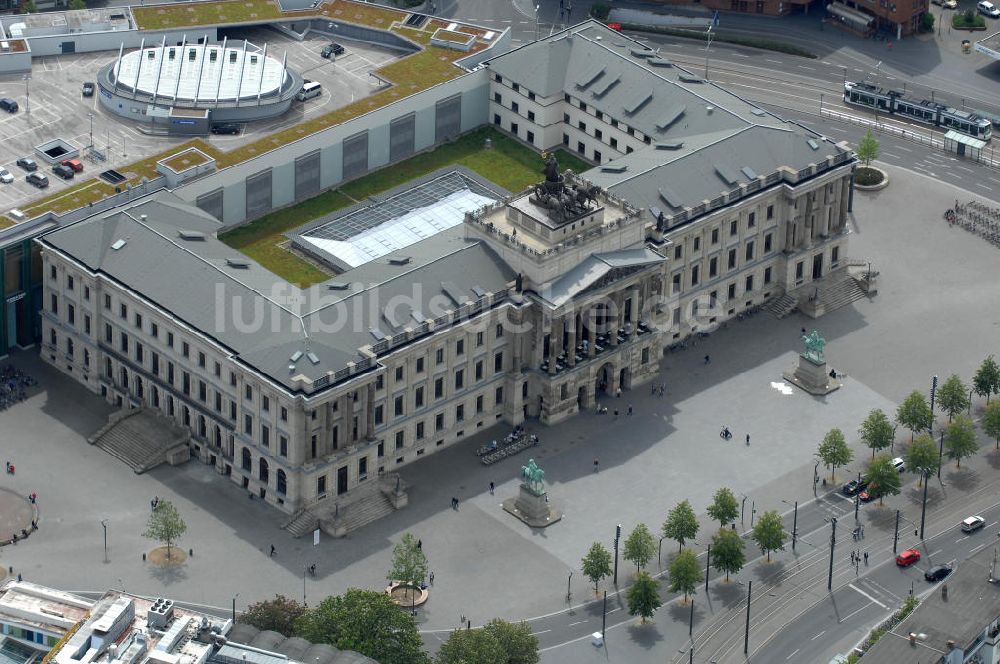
(908, 557)
(65, 172)
(869, 494)
(226, 128)
(8, 104)
(987, 8)
(5, 176)
(854, 487)
(75, 164)
(972, 524)
(937, 573)
(37, 179)
(88, 87)
(27, 164)
(899, 464)
(947, 4)
(333, 48)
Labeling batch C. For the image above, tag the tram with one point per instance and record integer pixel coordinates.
(892, 102)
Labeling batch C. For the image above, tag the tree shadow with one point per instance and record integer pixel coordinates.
(169, 574)
(769, 571)
(993, 458)
(882, 517)
(681, 612)
(645, 636)
(963, 479)
(935, 494)
(729, 594)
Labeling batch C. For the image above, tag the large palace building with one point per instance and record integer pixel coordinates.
(455, 305)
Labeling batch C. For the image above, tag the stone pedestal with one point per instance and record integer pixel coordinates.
(532, 508)
(812, 376)
(812, 307)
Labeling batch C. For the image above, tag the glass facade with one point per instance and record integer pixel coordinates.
(21, 294)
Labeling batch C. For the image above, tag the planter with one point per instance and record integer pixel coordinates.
(882, 184)
(400, 594)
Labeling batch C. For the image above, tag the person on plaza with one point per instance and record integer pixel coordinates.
(708, 359)
(616, 413)
(630, 409)
(492, 486)
(748, 440)
(454, 503)
(866, 559)
(420, 544)
(431, 578)
(619, 393)
(596, 465)
(273, 550)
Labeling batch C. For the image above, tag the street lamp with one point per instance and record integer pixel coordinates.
(795, 520)
(91, 130)
(833, 542)
(536, 21)
(234, 607)
(659, 550)
(104, 524)
(568, 579)
(27, 94)
(618, 536)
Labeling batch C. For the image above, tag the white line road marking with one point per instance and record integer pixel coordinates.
(852, 614)
(889, 154)
(864, 594)
(794, 652)
(577, 622)
(900, 147)
(541, 631)
(933, 553)
(617, 608)
(983, 186)
(963, 168)
(777, 62)
(818, 635)
(808, 68)
(739, 55)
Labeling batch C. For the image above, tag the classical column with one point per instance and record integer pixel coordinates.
(634, 313)
(571, 350)
(369, 406)
(552, 347)
(591, 331)
(616, 321)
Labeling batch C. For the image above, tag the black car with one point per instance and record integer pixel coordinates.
(333, 48)
(37, 179)
(8, 104)
(88, 89)
(226, 128)
(937, 573)
(27, 164)
(65, 172)
(854, 487)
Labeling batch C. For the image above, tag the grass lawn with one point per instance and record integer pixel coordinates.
(509, 164)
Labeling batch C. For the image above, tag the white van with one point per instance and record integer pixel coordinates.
(985, 7)
(310, 90)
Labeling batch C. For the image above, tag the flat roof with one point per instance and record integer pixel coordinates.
(44, 608)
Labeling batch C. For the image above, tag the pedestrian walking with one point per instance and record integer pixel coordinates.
(273, 550)
(748, 440)
(454, 503)
(629, 412)
(803, 331)
(616, 413)
(852, 556)
(420, 544)
(862, 531)
(708, 360)
(866, 559)
(431, 578)
(596, 465)
(652, 390)
(619, 393)
(492, 486)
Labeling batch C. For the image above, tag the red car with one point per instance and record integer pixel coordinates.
(75, 164)
(907, 558)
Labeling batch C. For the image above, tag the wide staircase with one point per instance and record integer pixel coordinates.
(839, 289)
(362, 512)
(143, 439)
(362, 505)
(782, 306)
(302, 523)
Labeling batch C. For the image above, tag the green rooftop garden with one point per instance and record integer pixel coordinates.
(509, 164)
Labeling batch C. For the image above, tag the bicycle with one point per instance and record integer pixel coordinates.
(726, 434)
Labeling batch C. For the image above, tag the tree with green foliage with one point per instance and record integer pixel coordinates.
(409, 565)
(927, 22)
(914, 413)
(987, 379)
(639, 546)
(991, 422)
(724, 508)
(727, 552)
(30, 7)
(165, 524)
(922, 457)
(366, 621)
(681, 524)
(953, 396)
(960, 439)
(471, 646)
(77, 4)
(876, 431)
(883, 477)
(597, 563)
(277, 615)
(516, 640)
(833, 451)
(643, 597)
(868, 148)
(769, 533)
(683, 573)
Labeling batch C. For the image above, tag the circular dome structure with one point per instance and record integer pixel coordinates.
(197, 73)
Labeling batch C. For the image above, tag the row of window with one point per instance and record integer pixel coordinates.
(713, 264)
(399, 371)
(734, 229)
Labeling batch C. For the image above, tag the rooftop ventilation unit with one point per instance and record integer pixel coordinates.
(688, 78)
(642, 52)
(399, 260)
(669, 146)
(479, 291)
(813, 144)
(614, 168)
(660, 62)
(295, 356)
(749, 172)
(759, 112)
(377, 333)
(118, 244)
(192, 236)
(590, 77)
(312, 358)
(726, 173)
(238, 263)
(670, 116)
(160, 613)
(670, 197)
(638, 102)
(602, 88)
(338, 285)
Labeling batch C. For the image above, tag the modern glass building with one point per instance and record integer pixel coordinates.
(21, 293)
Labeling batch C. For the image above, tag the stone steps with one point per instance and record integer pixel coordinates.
(303, 523)
(139, 438)
(782, 306)
(840, 293)
(359, 514)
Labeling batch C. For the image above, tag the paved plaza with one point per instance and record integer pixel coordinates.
(936, 312)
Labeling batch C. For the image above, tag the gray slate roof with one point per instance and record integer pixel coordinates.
(192, 280)
(592, 268)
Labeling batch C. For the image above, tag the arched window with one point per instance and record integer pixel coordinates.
(201, 426)
(247, 460)
(138, 388)
(263, 470)
(282, 482)
(124, 374)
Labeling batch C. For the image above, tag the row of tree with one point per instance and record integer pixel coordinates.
(370, 623)
(684, 571)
